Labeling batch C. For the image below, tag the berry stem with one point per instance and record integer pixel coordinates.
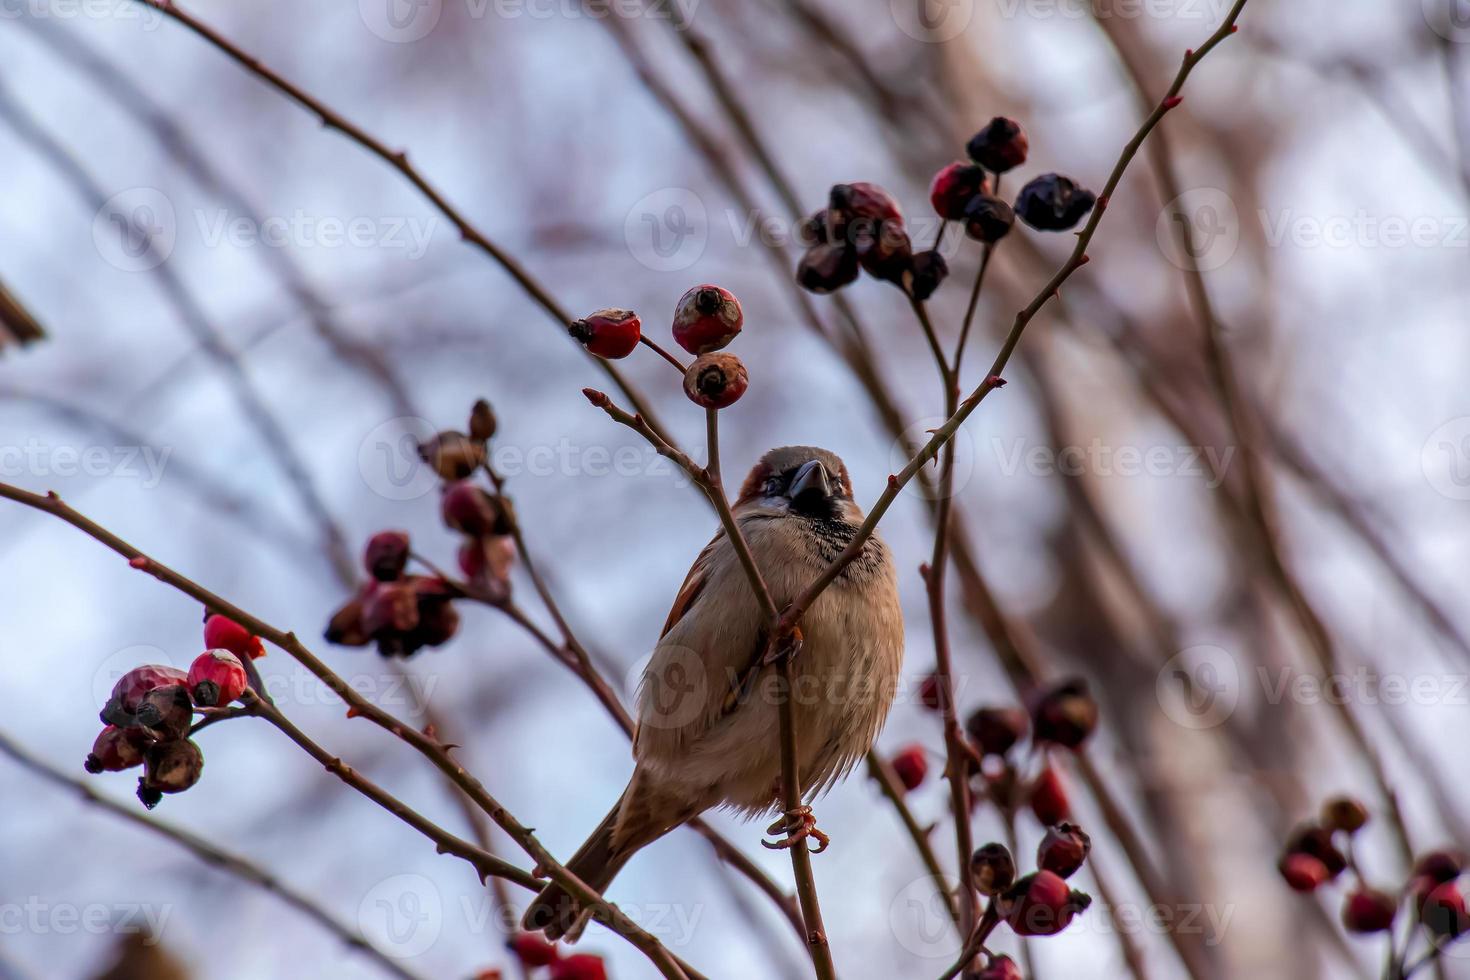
(653, 345)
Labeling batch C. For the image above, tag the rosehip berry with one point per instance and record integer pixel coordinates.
(610, 334)
(116, 749)
(346, 625)
(1302, 872)
(223, 633)
(532, 950)
(707, 319)
(1063, 850)
(996, 729)
(486, 563)
(988, 219)
(911, 766)
(883, 250)
(452, 455)
(1041, 904)
(386, 555)
(393, 607)
(1049, 798)
(716, 380)
(992, 869)
(1002, 145)
(1345, 814)
(471, 510)
(1000, 968)
(931, 693)
(169, 767)
(216, 678)
(1369, 910)
(1440, 866)
(1064, 714)
(1444, 912)
(827, 268)
(955, 186)
(482, 421)
(814, 230)
(863, 200)
(580, 966)
(132, 687)
(1052, 202)
(166, 712)
(926, 272)
(1317, 842)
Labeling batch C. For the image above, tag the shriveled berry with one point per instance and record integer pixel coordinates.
(346, 625)
(827, 268)
(1302, 872)
(996, 729)
(1063, 850)
(1440, 865)
(1317, 842)
(166, 712)
(992, 869)
(864, 200)
(1052, 202)
(1345, 814)
(610, 333)
(1064, 714)
(1002, 145)
(116, 749)
(482, 421)
(1000, 968)
(988, 219)
(955, 186)
(706, 319)
(170, 767)
(1049, 798)
(223, 633)
(132, 687)
(1041, 904)
(926, 272)
(579, 966)
(472, 510)
(452, 455)
(883, 250)
(813, 230)
(532, 950)
(1369, 910)
(386, 555)
(393, 607)
(911, 765)
(716, 380)
(216, 678)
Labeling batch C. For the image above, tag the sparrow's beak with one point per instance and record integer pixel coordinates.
(809, 486)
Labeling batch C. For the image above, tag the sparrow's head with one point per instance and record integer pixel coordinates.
(799, 481)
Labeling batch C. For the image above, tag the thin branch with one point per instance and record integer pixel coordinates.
(882, 774)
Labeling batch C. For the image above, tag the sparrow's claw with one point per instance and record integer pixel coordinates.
(798, 825)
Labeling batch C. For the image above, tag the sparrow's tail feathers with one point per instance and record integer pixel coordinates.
(554, 910)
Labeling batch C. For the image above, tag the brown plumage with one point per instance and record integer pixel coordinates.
(16, 323)
(707, 725)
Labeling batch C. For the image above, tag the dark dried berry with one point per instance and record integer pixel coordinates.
(883, 250)
(1443, 911)
(482, 421)
(1064, 714)
(863, 200)
(116, 749)
(471, 510)
(1440, 866)
(1052, 202)
(954, 187)
(995, 729)
(452, 455)
(386, 555)
(346, 625)
(1345, 814)
(166, 712)
(131, 688)
(926, 272)
(1000, 146)
(1063, 850)
(813, 230)
(988, 219)
(1317, 842)
(992, 869)
(170, 767)
(827, 268)
(716, 380)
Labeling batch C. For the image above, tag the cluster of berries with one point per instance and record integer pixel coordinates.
(150, 713)
(1039, 903)
(1435, 891)
(862, 228)
(533, 952)
(402, 613)
(706, 319)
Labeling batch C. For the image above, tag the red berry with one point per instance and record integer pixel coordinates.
(116, 749)
(216, 678)
(716, 380)
(393, 607)
(1063, 850)
(1443, 911)
(1302, 872)
(707, 319)
(1049, 798)
(608, 333)
(131, 688)
(1000, 968)
(1064, 714)
(827, 268)
(865, 201)
(931, 693)
(992, 869)
(1041, 904)
(386, 555)
(955, 186)
(1317, 842)
(223, 633)
(911, 766)
(1000, 146)
(471, 510)
(532, 950)
(1369, 910)
(997, 729)
(169, 767)
(581, 966)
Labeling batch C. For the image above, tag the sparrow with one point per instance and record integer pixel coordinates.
(706, 733)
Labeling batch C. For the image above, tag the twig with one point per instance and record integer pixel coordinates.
(883, 775)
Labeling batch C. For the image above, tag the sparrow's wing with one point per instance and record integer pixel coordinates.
(694, 584)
